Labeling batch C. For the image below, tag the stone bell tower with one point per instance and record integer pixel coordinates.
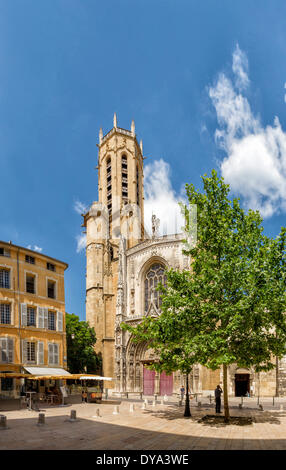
(118, 214)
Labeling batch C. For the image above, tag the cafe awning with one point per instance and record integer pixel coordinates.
(94, 377)
(48, 371)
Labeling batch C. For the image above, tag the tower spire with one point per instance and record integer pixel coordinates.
(100, 136)
(133, 127)
(114, 120)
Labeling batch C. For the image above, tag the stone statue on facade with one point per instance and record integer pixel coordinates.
(155, 226)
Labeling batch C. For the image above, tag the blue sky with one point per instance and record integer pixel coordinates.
(204, 82)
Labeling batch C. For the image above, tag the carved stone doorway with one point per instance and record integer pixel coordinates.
(242, 385)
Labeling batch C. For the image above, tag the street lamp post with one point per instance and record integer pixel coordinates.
(187, 413)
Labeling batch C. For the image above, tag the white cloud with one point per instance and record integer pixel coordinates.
(240, 68)
(80, 207)
(81, 243)
(36, 248)
(161, 199)
(255, 165)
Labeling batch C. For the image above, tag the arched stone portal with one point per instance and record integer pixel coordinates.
(140, 378)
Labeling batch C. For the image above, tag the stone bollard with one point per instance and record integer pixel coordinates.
(116, 410)
(146, 401)
(144, 406)
(97, 415)
(281, 408)
(165, 398)
(73, 416)
(132, 408)
(261, 407)
(3, 422)
(41, 419)
(154, 403)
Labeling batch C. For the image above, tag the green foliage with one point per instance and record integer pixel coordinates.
(81, 357)
(229, 308)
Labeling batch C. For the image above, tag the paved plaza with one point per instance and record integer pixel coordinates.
(162, 427)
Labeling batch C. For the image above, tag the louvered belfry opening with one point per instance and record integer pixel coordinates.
(109, 192)
(124, 175)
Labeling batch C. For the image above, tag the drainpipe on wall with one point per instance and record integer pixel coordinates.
(277, 378)
(19, 311)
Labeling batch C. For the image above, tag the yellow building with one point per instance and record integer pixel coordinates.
(32, 315)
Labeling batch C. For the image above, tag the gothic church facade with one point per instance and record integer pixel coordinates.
(124, 265)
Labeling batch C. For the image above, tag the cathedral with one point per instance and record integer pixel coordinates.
(123, 266)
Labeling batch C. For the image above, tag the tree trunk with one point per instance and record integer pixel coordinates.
(225, 394)
(187, 413)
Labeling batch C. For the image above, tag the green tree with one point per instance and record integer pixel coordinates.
(276, 282)
(218, 313)
(81, 338)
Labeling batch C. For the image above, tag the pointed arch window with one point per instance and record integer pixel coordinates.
(154, 276)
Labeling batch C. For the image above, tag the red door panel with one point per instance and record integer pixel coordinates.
(166, 384)
(148, 381)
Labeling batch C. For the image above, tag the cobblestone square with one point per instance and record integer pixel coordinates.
(162, 427)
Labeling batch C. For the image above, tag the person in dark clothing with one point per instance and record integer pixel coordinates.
(218, 392)
(84, 396)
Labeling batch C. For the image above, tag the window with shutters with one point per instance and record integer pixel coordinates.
(31, 316)
(51, 289)
(31, 351)
(5, 314)
(51, 320)
(5, 278)
(6, 350)
(53, 349)
(30, 284)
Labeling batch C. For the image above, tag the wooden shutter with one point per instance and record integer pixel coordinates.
(51, 353)
(46, 315)
(24, 314)
(10, 349)
(56, 354)
(41, 317)
(24, 351)
(3, 350)
(40, 357)
(59, 321)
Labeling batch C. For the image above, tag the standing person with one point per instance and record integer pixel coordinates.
(218, 392)
(84, 396)
(182, 390)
